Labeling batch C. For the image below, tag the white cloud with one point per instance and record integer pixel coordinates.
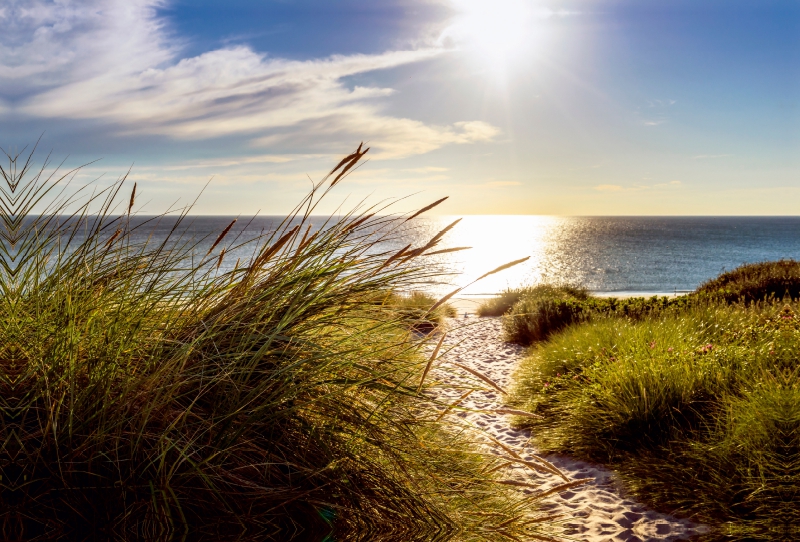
(113, 61)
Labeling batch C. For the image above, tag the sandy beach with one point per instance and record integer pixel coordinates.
(596, 511)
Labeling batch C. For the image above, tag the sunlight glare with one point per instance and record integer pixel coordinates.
(496, 31)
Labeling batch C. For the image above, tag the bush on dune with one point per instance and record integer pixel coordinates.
(538, 312)
(416, 308)
(144, 392)
(756, 282)
(699, 410)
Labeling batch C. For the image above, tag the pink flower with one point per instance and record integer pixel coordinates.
(669, 349)
(652, 345)
(547, 384)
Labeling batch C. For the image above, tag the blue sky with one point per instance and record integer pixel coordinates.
(581, 107)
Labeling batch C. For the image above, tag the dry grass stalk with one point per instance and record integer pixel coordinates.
(503, 267)
(430, 362)
(274, 248)
(452, 405)
(515, 412)
(426, 208)
(221, 236)
(480, 375)
(113, 237)
(133, 199)
(444, 300)
(447, 250)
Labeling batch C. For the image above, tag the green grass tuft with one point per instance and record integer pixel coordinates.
(146, 393)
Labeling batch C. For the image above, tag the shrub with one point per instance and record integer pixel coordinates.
(502, 303)
(756, 282)
(535, 319)
(541, 311)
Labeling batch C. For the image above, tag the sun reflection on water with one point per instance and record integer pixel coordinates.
(496, 240)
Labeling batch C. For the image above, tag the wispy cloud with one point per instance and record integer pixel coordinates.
(113, 61)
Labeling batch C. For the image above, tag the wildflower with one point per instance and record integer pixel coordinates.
(652, 345)
(547, 384)
(669, 349)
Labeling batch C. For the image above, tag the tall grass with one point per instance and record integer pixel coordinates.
(698, 409)
(144, 392)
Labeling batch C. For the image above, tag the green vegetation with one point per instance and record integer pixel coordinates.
(532, 314)
(696, 404)
(756, 282)
(415, 307)
(502, 303)
(147, 394)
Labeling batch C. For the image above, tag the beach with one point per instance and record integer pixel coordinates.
(599, 510)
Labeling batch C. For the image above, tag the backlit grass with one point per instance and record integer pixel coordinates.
(145, 392)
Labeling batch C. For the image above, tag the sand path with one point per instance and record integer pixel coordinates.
(597, 511)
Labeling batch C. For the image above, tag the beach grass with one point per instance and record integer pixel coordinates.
(145, 391)
(698, 409)
(532, 314)
(756, 282)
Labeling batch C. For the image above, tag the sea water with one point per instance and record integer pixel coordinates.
(608, 255)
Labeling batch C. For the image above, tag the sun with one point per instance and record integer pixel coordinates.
(495, 31)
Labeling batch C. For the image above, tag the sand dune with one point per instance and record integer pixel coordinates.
(596, 511)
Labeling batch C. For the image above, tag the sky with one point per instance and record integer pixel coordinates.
(573, 107)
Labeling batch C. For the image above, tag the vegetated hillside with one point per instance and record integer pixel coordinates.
(697, 406)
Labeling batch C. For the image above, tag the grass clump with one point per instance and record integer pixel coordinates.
(416, 308)
(502, 303)
(146, 392)
(756, 282)
(533, 314)
(698, 409)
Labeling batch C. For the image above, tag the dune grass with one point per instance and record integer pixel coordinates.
(532, 314)
(756, 282)
(503, 302)
(698, 409)
(416, 308)
(146, 392)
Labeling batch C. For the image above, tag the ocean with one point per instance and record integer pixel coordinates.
(607, 255)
